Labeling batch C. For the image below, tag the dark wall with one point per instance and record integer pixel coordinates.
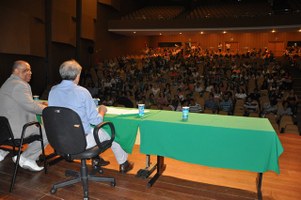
(41, 76)
(110, 45)
(23, 34)
(62, 52)
(38, 79)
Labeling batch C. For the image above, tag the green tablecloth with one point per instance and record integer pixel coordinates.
(241, 143)
(126, 128)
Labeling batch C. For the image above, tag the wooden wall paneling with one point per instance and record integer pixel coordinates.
(90, 8)
(88, 27)
(63, 21)
(277, 47)
(65, 6)
(37, 37)
(246, 42)
(114, 3)
(241, 41)
(294, 36)
(15, 29)
(110, 45)
(89, 15)
(34, 8)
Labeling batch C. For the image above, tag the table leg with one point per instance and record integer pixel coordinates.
(160, 169)
(147, 162)
(259, 183)
(148, 170)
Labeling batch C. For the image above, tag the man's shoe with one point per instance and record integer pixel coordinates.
(31, 165)
(3, 154)
(103, 162)
(99, 162)
(28, 164)
(20, 161)
(125, 167)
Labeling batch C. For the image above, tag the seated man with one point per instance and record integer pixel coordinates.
(226, 104)
(250, 106)
(19, 108)
(69, 94)
(194, 107)
(211, 104)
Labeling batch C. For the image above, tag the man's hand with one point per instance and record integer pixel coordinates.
(102, 110)
(44, 103)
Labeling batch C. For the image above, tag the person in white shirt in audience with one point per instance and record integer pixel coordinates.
(194, 107)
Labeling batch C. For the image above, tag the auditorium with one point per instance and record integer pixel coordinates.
(203, 96)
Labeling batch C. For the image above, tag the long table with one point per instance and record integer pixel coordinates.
(233, 142)
(126, 127)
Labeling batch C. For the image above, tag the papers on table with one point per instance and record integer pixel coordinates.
(122, 111)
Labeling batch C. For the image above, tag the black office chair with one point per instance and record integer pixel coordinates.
(7, 139)
(66, 135)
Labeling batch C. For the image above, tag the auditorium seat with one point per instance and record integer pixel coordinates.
(155, 13)
(291, 128)
(284, 121)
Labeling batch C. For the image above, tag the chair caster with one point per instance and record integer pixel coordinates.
(86, 198)
(53, 190)
(113, 184)
(96, 166)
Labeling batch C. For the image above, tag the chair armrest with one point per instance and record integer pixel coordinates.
(29, 124)
(96, 130)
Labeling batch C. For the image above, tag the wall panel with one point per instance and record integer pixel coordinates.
(22, 27)
(89, 15)
(63, 21)
(243, 41)
(15, 33)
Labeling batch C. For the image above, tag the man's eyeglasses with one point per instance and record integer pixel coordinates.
(25, 70)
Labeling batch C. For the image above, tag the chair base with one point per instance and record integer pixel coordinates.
(83, 177)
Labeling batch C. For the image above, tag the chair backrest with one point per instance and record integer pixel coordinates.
(5, 130)
(64, 130)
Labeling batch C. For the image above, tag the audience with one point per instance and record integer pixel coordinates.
(167, 77)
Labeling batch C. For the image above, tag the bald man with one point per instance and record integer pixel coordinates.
(18, 106)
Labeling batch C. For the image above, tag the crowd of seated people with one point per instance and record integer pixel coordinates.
(155, 13)
(224, 10)
(251, 84)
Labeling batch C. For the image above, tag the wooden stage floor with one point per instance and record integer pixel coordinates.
(179, 181)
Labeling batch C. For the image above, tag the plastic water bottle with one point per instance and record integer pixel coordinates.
(185, 112)
(141, 110)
